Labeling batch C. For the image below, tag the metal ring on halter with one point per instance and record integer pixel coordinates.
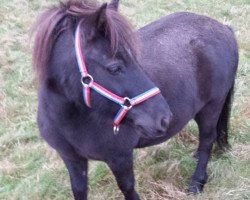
(88, 76)
(116, 129)
(129, 101)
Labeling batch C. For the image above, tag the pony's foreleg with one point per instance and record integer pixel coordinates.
(122, 168)
(78, 177)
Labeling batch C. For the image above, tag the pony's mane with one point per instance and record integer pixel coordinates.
(48, 28)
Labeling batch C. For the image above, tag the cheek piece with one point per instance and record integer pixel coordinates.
(88, 83)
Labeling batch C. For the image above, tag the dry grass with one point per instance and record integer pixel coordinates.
(29, 169)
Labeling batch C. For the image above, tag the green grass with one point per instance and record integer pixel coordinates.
(29, 169)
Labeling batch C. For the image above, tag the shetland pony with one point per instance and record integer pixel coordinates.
(192, 59)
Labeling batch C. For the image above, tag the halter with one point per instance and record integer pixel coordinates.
(88, 83)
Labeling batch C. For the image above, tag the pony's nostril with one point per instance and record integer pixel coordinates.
(164, 124)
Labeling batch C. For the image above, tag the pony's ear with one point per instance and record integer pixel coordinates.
(100, 17)
(114, 4)
(97, 22)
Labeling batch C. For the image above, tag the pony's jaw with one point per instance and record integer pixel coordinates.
(148, 133)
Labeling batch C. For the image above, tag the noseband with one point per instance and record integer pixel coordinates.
(88, 83)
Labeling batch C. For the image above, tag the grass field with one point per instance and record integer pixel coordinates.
(29, 169)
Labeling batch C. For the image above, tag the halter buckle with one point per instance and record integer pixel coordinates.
(87, 80)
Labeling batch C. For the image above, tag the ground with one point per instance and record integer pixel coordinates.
(30, 169)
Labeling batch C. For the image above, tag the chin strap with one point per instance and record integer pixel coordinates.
(89, 83)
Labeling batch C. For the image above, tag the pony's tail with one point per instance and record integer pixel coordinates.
(223, 123)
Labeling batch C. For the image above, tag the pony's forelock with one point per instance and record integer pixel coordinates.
(117, 29)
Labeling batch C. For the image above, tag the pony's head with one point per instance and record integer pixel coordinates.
(110, 52)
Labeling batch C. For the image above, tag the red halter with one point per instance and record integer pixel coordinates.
(125, 102)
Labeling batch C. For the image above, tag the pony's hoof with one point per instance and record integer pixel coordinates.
(194, 189)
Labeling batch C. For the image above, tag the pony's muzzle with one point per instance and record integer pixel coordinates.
(153, 128)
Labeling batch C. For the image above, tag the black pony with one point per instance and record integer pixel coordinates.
(191, 58)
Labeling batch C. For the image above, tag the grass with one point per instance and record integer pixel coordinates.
(29, 169)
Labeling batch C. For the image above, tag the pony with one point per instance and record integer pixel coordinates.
(175, 69)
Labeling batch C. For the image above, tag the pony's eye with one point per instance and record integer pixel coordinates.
(115, 69)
